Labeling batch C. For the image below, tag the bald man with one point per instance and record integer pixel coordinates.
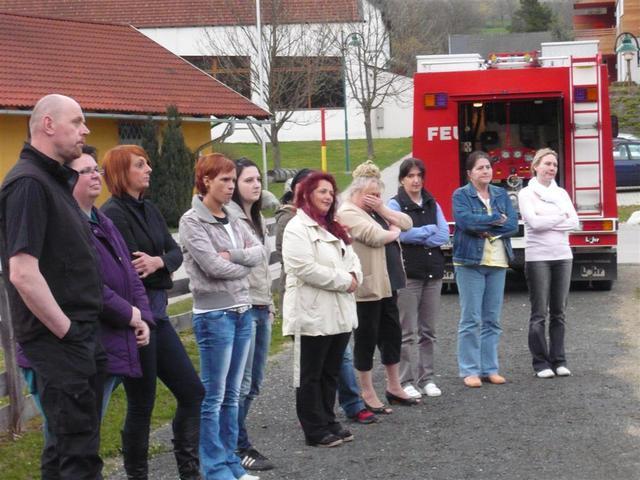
(55, 288)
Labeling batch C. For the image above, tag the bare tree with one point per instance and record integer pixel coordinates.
(295, 62)
(420, 27)
(369, 71)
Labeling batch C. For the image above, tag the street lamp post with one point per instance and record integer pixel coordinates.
(353, 39)
(628, 50)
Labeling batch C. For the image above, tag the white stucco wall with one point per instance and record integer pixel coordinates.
(395, 114)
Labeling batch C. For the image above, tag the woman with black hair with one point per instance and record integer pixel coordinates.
(419, 301)
(245, 205)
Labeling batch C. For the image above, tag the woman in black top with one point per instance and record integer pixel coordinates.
(155, 256)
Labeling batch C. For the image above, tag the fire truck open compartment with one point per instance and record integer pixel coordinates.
(511, 130)
(511, 105)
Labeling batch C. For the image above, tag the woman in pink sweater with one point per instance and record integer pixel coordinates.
(549, 216)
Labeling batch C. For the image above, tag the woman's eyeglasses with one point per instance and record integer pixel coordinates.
(90, 171)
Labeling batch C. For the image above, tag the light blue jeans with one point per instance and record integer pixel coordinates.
(348, 388)
(254, 369)
(224, 338)
(481, 291)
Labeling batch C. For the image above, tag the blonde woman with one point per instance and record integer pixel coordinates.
(548, 216)
(375, 229)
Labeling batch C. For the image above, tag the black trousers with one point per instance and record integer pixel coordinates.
(164, 358)
(378, 325)
(320, 360)
(70, 373)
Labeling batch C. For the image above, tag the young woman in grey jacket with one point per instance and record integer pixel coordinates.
(219, 252)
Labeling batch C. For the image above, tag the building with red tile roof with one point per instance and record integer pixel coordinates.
(118, 75)
(188, 13)
(107, 68)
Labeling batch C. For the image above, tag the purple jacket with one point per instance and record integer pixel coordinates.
(122, 289)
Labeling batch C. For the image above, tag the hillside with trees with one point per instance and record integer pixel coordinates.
(422, 27)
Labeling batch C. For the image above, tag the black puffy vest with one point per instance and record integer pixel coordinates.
(421, 262)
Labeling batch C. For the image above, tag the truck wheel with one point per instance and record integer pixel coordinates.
(602, 285)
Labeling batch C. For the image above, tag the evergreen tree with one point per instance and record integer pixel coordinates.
(173, 172)
(150, 140)
(532, 17)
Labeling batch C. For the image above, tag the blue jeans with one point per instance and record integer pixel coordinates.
(224, 338)
(348, 388)
(254, 370)
(481, 291)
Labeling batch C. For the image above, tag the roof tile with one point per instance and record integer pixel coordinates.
(184, 13)
(106, 68)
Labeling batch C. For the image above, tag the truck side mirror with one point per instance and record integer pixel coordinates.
(614, 126)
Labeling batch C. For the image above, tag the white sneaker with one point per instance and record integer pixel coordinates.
(546, 373)
(431, 390)
(563, 372)
(412, 392)
(246, 476)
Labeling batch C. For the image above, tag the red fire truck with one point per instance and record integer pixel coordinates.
(509, 106)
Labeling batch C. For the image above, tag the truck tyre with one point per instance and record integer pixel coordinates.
(602, 285)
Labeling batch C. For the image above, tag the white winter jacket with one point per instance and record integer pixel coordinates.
(318, 267)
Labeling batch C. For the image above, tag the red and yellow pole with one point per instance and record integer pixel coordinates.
(323, 142)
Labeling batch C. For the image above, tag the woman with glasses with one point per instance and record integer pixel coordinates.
(155, 256)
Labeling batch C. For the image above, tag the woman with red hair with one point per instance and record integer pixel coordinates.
(127, 171)
(319, 308)
(219, 252)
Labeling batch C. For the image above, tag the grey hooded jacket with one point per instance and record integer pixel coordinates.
(217, 283)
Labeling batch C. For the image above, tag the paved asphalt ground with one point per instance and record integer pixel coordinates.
(585, 427)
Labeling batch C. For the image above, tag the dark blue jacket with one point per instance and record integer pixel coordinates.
(472, 219)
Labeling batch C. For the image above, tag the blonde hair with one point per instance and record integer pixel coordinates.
(363, 175)
(367, 169)
(540, 154)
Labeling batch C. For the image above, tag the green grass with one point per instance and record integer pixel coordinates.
(180, 307)
(20, 458)
(624, 212)
(495, 30)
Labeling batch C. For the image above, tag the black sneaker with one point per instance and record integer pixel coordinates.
(341, 432)
(251, 459)
(329, 440)
(344, 434)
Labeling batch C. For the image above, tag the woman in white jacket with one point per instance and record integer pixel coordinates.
(548, 216)
(319, 307)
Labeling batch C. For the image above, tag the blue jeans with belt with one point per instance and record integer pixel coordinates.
(254, 370)
(481, 291)
(224, 338)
